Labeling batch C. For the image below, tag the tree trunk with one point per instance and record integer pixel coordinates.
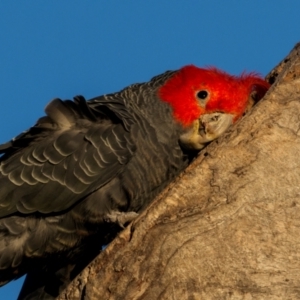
(229, 226)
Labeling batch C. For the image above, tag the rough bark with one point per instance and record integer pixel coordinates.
(229, 227)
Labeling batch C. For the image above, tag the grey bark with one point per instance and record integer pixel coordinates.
(229, 226)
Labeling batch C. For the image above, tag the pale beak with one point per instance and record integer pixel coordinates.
(206, 129)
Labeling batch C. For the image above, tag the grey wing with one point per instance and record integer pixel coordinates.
(67, 155)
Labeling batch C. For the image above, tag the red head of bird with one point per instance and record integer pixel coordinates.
(194, 92)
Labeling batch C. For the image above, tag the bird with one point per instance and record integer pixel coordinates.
(87, 168)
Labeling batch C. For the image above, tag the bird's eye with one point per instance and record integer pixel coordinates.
(203, 94)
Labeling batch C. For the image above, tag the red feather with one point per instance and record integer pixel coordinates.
(227, 93)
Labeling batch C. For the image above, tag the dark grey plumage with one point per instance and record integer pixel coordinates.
(63, 179)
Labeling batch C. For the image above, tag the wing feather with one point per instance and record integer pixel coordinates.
(67, 155)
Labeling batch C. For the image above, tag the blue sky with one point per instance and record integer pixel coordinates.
(61, 49)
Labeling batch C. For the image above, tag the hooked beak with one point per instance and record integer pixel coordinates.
(206, 129)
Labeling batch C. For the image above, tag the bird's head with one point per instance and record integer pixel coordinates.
(207, 101)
